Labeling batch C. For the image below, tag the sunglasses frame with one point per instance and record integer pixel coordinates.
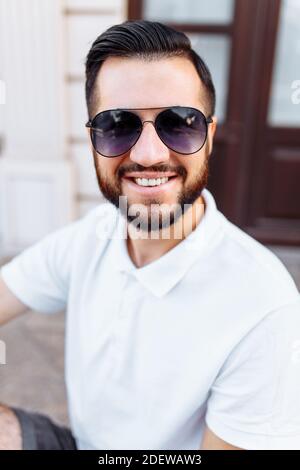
(89, 124)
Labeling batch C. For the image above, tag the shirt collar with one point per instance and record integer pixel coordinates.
(161, 275)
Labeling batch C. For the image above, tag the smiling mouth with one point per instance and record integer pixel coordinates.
(150, 181)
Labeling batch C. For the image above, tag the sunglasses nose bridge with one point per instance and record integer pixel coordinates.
(144, 122)
(147, 151)
(154, 125)
(142, 125)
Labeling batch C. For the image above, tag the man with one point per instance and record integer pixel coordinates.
(181, 330)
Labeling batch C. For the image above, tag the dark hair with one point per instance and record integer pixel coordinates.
(146, 40)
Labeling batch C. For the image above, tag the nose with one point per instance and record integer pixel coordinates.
(149, 149)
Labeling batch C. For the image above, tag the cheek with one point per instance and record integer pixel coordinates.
(106, 167)
(191, 166)
(194, 167)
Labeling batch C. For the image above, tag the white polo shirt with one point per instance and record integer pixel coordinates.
(209, 332)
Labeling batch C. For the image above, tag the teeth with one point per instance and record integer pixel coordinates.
(150, 182)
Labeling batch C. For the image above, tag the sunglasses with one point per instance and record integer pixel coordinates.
(115, 131)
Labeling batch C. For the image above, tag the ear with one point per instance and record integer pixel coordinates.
(88, 130)
(212, 127)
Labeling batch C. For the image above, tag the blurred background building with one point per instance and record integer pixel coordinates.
(47, 179)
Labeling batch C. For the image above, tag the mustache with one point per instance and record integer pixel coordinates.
(136, 168)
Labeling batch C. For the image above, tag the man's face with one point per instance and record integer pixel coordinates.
(134, 83)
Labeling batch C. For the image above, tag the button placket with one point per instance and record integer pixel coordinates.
(122, 318)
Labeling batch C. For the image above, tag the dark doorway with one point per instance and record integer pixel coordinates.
(255, 165)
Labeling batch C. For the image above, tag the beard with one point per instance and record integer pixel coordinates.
(154, 221)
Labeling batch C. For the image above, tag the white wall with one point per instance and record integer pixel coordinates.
(46, 170)
(84, 21)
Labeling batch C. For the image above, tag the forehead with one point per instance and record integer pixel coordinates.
(136, 83)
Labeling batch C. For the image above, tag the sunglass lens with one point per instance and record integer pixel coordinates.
(115, 132)
(182, 129)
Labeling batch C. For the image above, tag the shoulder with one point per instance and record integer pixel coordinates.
(98, 223)
(77, 239)
(256, 266)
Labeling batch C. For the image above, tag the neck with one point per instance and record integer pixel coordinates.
(144, 251)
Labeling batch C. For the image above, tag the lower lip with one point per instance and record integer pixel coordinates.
(151, 190)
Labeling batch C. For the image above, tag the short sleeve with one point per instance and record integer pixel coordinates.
(40, 275)
(254, 402)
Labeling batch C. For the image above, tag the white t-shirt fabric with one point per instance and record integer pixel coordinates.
(207, 334)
